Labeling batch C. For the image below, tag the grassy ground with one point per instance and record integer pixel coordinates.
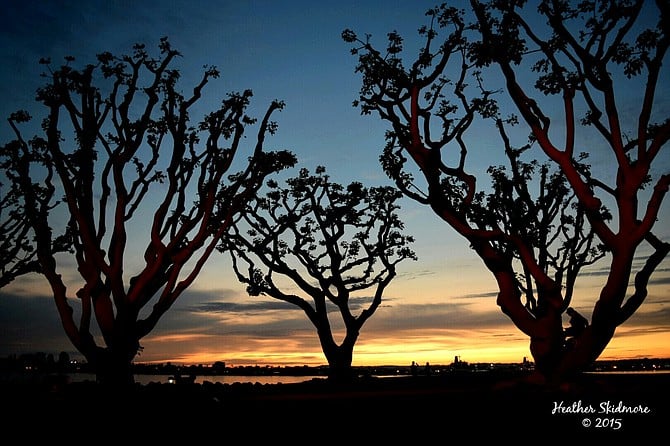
(481, 407)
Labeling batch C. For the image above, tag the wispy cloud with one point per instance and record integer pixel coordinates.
(489, 294)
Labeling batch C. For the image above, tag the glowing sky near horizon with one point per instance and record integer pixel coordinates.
(437, 308)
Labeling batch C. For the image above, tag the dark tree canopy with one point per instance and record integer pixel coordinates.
(119, 159)
(330, 241)
(17, 254)
(534, 243)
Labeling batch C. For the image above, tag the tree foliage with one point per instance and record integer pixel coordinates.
(330, 241)
(18, 256)
(119, 159)
(534, 243)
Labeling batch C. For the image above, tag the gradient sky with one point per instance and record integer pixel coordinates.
(437, 308)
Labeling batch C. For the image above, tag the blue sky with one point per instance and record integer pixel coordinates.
(290, 51)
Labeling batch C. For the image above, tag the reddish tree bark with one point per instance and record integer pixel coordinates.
(121, 151)
(534, 245)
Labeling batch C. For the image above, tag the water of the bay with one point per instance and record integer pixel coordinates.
(285, 379)
(223, 379)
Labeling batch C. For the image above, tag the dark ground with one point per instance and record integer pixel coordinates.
(480, 407)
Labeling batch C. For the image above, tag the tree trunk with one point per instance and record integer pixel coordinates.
(113, 368)
(546, 345)
(585, 350)
(339, 357)
(558, 362)
(340, 370)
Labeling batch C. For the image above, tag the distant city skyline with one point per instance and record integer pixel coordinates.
(41, 362)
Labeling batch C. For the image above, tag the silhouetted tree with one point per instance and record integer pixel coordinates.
(17, 254)
(120, 150)
(534, 245)
(331, 242)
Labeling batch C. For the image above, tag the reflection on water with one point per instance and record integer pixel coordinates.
(223, 379)
(285, 379)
